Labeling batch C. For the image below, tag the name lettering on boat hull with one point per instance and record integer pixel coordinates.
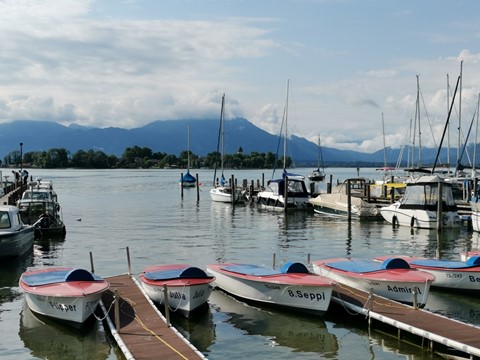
(402, 289)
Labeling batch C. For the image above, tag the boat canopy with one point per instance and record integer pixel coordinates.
(296, 187)
(294, 268)
(423, 194)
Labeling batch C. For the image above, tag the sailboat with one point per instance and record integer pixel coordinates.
(188, 180)
(318, 175)
(222, 191)
(288, 192)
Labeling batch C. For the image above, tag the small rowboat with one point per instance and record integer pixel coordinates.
(292, 286)
(449, 274)
(66, 294)
(392, 279)
(188, 287)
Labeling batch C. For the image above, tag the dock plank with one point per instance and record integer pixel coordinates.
(142, 328)
(438, 328)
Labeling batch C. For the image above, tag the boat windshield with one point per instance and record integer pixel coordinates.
(35, 195)
(4, 220)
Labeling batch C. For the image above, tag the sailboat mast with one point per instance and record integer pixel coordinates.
(459, 115)
(474, 170)
(448, 130)
(222, 130)
(188, 148)
(286, 129)
(384, 145)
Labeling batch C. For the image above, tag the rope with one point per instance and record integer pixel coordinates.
(137, 319)
(107, 312)
(180, 301)
(361, 296)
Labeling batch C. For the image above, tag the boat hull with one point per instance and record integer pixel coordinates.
(223, 195)
(72, 310)
(16, 243)
(423, 219)
(269, 201)
(336, 205)
(184, 298)
(301, 292)
(188, 288)
(465, 279)
(395, 285)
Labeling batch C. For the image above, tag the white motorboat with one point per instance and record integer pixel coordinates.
(449, 274)
(188, 287)
(16, 238)
(39, 207)
(393, 278)
(289, 192)
(292, 286)
(419, 206)
(63, 293)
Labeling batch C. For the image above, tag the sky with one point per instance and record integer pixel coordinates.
(352, 65)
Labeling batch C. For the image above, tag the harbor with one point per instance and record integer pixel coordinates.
(168, 228)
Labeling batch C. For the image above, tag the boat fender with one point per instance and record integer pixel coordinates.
(473, 261)
(294, 267)
(395, 263)
(394, 221)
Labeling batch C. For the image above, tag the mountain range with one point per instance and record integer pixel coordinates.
(170, 136)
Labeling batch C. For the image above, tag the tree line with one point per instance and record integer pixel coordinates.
(139, 157)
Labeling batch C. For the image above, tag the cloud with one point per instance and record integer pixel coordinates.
(115, 71)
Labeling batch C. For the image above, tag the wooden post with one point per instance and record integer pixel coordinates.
(274, 260)
(349, 201)
(234, 189)
(251, 192)
(128, 261)
(117, 310)
(91, 263)
(181, 185)
(329, 185)
(263, 180)
(439, 206)
(198, 188)
(285, 194)
(165, 303)
(415, 302)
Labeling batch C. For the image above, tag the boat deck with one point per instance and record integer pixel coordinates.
(143, 331)
(435, 328)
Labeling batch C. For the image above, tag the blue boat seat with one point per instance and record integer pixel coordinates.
(59, 276)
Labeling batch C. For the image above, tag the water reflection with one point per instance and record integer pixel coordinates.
(199, 329)
(10, 272)
(302, 333)
(51, 340)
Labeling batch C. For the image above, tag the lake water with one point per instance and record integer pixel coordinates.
(109, 210)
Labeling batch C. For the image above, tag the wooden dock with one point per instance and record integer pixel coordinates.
(441, 334)
(143, 331)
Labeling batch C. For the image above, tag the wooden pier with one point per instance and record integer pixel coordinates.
(142, 332)
(440, 333)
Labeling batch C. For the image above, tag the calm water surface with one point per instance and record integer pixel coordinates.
(107, 211)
